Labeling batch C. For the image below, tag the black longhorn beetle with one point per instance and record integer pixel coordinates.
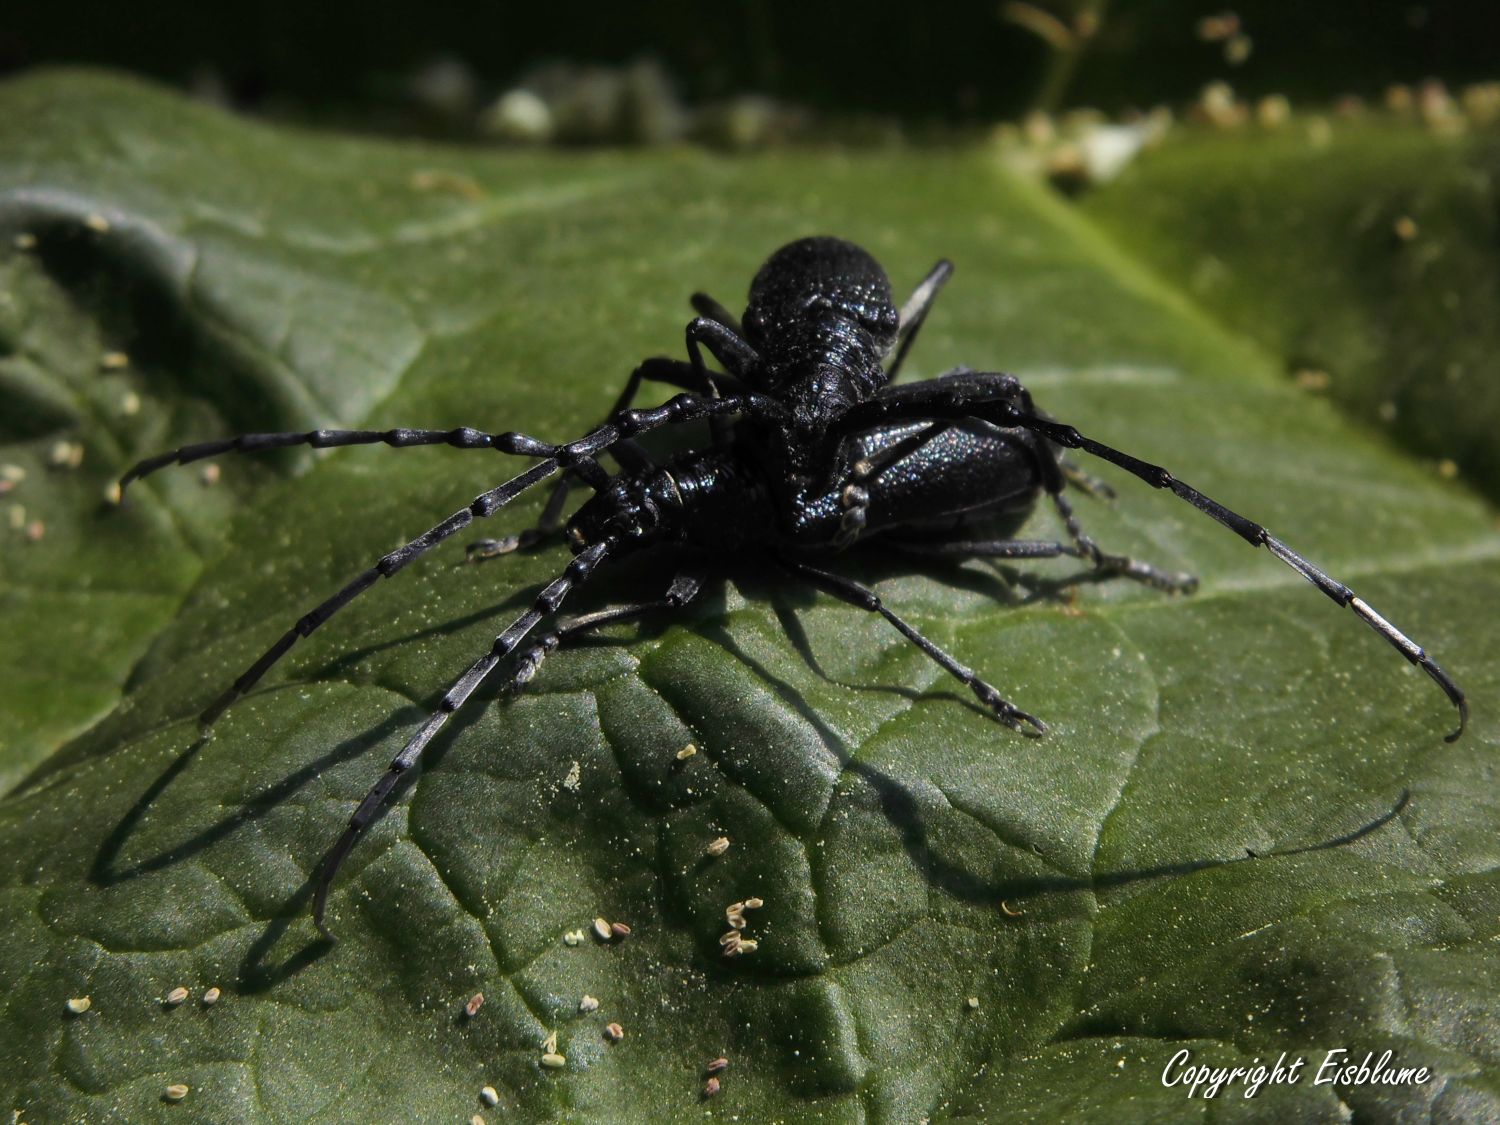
(811, 451)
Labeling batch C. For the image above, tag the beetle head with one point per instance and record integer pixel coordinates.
(815, 278)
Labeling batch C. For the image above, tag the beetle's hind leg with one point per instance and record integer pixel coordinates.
(1000, 400)
(1085, 481)
(684, 588)
(1170, 581)
(848, 590)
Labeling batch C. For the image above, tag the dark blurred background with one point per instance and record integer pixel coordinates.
(385, 66)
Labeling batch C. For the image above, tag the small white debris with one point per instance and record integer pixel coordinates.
(748, 945)
(489, 1096)
(588, 1003)
(549, 1044)
(97, 223)
(717, 846)
(734, 914)
(1405, 228)
(65, 454)
(753, 903)
(130, 404)
(1273, 111)
(1107, 150)
(177, 1091)
(79, 1004)
(12, 474)
(973, 1003)
(477, 1119)
(210, 474)
(113, 493)
(1219, 107)
(1218, 28)
(25, 241)
(686, 752)
(573, 937)
(614, 1032)
(450, 183)
(1312, 379)
(602, 930)
(574, 778)
(175, 997)
(519, 115)
(475, 1002)
(16, 517)
(211, 997)
(553, 1061)
(114, 361)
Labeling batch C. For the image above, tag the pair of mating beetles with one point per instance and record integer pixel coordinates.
(812, 450)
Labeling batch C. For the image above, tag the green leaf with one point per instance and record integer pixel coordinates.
(1091, 891)
(1400, 222)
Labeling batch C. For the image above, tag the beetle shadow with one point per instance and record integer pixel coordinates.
(900, 807)
(635, 573)
(104, 871)
(894, 798)
(254, 976)
(1004, 585)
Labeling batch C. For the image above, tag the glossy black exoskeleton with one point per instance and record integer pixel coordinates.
(813, 450)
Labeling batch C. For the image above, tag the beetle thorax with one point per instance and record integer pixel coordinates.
(634, 511)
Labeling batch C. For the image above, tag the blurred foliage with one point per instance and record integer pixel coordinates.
(1362, 254)
(969, 62)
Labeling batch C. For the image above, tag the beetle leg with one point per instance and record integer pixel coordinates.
(577, 456)
(724, 344)
(1172, 582)
(575, 574)
(704, 305)
(1085, 481)
(865, 598)
(915, 311)
(461, 438)
(660, 369)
